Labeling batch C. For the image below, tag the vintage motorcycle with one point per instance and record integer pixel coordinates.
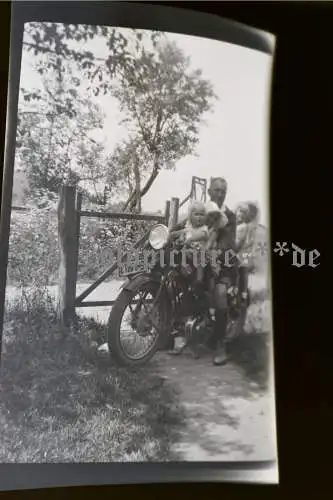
(157, 304)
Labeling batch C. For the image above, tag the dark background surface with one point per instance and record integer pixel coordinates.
(301, 157)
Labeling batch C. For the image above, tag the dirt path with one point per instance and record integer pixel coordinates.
(228, 417)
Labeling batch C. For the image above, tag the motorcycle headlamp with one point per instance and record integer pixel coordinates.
(158, 236)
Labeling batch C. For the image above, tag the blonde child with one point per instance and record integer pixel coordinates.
(246, 215)
(200, 234)
(194, 236)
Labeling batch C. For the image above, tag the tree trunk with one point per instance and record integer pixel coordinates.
(125, 207)
(137, 199)
(155, 172)
(132, 200)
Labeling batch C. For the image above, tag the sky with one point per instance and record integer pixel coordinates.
(234, 138)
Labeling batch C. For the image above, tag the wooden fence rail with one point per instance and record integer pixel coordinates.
(21, 209)
(116, 215)
(69, 217)
(107, 273)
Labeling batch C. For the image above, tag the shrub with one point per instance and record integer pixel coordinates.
(100, 240)
(33, 258)
(34, 248)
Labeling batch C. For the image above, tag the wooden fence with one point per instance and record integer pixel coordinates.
(69, 216)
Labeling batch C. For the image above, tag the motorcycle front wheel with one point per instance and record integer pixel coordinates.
(136, 326)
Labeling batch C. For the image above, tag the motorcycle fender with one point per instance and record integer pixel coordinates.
(133, 283)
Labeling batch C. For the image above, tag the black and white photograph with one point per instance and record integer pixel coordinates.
(138, 308)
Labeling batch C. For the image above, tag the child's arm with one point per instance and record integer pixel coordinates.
(176, 234)
(201, 234)
(180, 226)
(211, 240)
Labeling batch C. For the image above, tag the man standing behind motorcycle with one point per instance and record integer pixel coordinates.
(226, 240)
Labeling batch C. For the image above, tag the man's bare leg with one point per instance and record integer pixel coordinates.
(221, 319)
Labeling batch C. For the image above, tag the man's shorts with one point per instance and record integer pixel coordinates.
(228, 274)
(225, 279)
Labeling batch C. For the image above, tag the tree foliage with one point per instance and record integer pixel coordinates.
(163, 102)
(54, 142)
(54, 145)
(69, 41)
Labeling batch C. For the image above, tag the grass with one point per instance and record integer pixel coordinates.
(61, 401)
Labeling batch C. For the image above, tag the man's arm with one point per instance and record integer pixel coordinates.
(228, 233)
(227, 241)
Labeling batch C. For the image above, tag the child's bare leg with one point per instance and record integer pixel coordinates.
(187, 257)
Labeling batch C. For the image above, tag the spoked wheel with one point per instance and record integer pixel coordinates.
(136, 326)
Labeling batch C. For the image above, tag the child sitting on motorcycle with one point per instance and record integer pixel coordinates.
(246, 215)
(215, 220)
(200, 234)
(193, 238)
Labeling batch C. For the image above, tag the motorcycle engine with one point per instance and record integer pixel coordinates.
(198, 329)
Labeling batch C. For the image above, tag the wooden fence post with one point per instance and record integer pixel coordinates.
(78, 207)
(174, 208)
(167, 212)
(68, 238)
